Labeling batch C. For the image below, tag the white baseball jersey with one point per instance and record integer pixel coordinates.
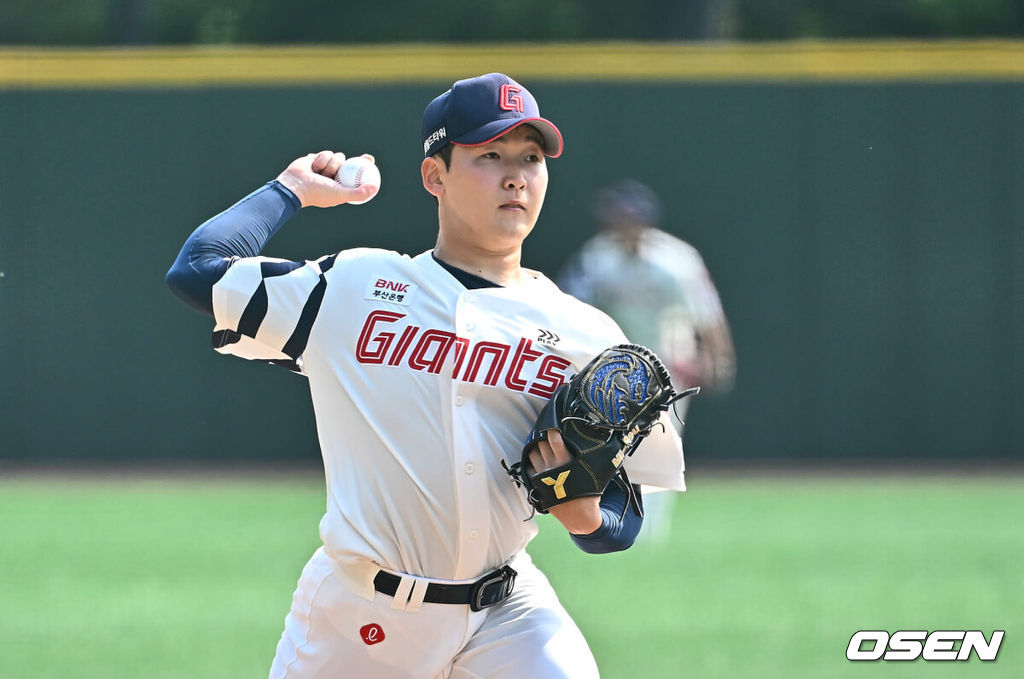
(421, 388)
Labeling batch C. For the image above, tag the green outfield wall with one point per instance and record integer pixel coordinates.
(860, 208)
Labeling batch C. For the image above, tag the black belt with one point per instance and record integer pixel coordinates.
(489, 590)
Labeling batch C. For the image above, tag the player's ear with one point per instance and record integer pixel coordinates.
(433, 177)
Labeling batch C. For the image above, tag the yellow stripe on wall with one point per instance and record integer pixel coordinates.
(388, 64)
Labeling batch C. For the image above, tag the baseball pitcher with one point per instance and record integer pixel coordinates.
(456, 392)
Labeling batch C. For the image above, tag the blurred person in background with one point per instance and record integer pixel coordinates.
(657, 288)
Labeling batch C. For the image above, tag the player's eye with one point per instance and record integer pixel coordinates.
(533, 158)
(490, 155)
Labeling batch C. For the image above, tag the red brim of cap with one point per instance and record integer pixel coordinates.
(491, 131)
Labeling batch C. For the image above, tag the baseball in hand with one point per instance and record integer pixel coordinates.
(356, 172)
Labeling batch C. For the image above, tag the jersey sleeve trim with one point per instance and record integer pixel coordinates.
(255, 311)
(280, 302)
(296, 343)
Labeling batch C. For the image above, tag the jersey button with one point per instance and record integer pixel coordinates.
(470, 325)
(473, 534)
(458, 400)
(469, 467)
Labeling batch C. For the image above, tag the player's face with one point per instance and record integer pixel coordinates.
(493, 193)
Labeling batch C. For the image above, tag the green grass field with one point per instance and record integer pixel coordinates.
(765, 577)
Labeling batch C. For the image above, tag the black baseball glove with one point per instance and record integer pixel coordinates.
(603, 413)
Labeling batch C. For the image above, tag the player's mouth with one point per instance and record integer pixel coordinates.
(513, 205)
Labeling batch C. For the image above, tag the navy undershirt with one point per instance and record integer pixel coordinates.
(245, 228)
(469, 281)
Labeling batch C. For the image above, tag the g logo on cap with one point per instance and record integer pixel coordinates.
(509, 98)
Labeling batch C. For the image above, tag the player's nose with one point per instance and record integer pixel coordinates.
(515, 180)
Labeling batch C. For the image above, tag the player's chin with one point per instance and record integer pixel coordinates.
(515, 229)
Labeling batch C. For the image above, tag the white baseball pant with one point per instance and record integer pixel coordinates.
(332, 632)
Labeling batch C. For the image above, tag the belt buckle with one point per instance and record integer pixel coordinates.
(492, 589)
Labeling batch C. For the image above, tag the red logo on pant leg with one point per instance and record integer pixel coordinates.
(371, 634)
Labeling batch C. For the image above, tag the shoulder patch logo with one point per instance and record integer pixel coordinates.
(385, 289)
(547, 338)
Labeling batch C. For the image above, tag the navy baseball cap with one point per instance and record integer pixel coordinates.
(630, 200)
(479, 110)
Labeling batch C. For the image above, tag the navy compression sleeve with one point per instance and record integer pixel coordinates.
(615, 534)
(240, 231)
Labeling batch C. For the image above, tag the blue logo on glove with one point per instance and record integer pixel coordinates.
(617, 384)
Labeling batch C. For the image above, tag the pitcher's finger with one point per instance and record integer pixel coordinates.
(335, 163)
(321, 160)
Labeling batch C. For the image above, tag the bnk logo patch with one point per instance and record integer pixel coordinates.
(390, 290)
